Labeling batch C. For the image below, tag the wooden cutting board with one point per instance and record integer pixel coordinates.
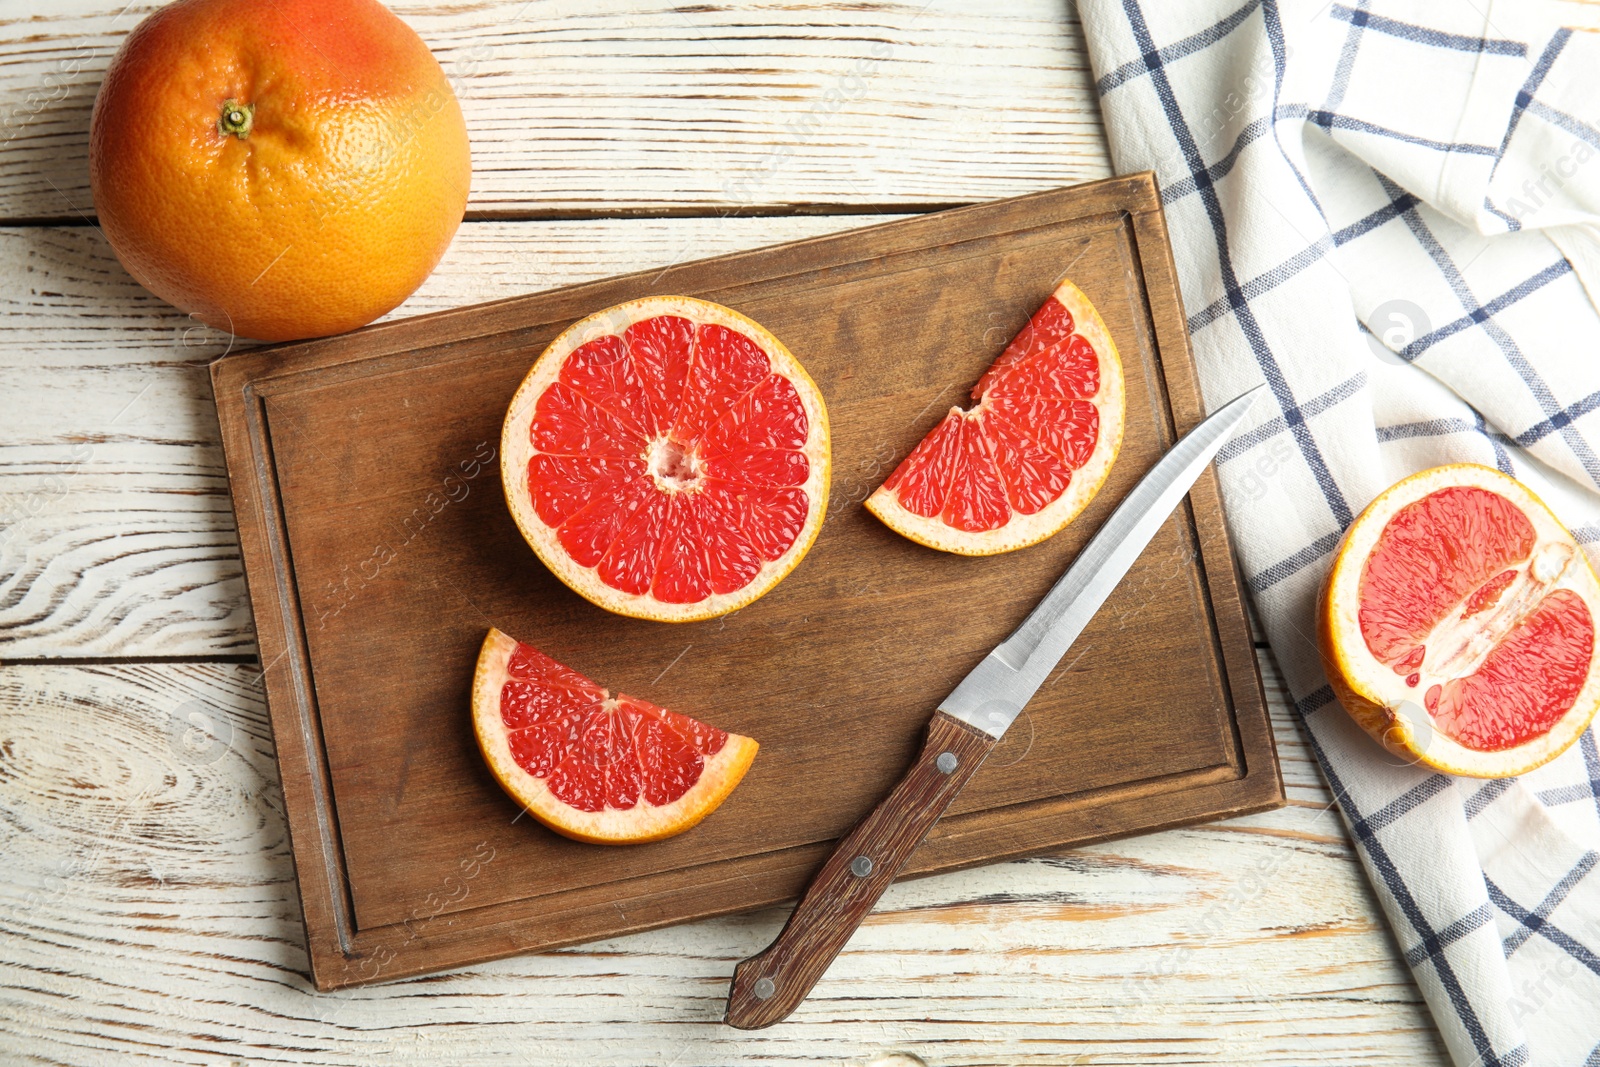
(378, 551)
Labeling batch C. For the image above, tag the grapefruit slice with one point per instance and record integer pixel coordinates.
(667, 458)
(1457, 624)
(612, 770)
(1031, 452)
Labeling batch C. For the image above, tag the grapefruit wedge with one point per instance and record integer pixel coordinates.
(667, 458)
(611, 770)
(1457, 624)
(1032, 450)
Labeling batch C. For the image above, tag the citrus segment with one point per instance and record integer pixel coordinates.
(1432, 554)
(590, 765)
(1457, 624)
(1525, 684)
(667, 458)
(1029, 455)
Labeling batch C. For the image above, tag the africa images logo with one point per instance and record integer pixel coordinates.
(1393, 327)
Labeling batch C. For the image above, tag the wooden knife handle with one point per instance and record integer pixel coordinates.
(768, 986)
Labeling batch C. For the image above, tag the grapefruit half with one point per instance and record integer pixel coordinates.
(606, 769)
(1031, 452)
(1456, 624)
(667, 458)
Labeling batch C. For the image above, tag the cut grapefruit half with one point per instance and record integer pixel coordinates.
(1031, 452)
(612, 770)
(667, 458)
(1457, 624)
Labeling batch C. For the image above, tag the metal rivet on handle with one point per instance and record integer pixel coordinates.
(946, 762)
(861, 866)
(764, 989)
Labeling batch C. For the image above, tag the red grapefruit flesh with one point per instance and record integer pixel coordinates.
(1457, 624)
(668, 459)
(1029, 455)
(593, 766)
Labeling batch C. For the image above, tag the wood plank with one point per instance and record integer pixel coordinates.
(102, 959)
(149, 916)
(333, 445)
(582, 107)
(116, 533)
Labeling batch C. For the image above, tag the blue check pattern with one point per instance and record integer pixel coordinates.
(1389, 212)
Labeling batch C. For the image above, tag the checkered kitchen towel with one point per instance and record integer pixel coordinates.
(1389, 213)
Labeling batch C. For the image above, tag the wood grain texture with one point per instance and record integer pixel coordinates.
(768, 986)
(149, 916)
(116, 534)
(356, 465)
(149, 913)
(1140, 951)
(578, 107)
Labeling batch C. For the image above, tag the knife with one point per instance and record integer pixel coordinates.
(967, 726)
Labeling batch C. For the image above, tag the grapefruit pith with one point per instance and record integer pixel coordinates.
(592, 766)
(1457, 624)
(1031, 452)
(667, 458)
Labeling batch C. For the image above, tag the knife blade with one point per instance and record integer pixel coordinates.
(962, 732)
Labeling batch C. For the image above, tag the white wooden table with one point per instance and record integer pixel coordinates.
(147, 908)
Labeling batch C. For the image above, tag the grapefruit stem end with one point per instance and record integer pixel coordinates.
(236, 119)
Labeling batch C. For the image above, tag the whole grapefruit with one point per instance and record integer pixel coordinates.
(278, 170)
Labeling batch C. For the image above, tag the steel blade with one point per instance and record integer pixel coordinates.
(993, 694)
